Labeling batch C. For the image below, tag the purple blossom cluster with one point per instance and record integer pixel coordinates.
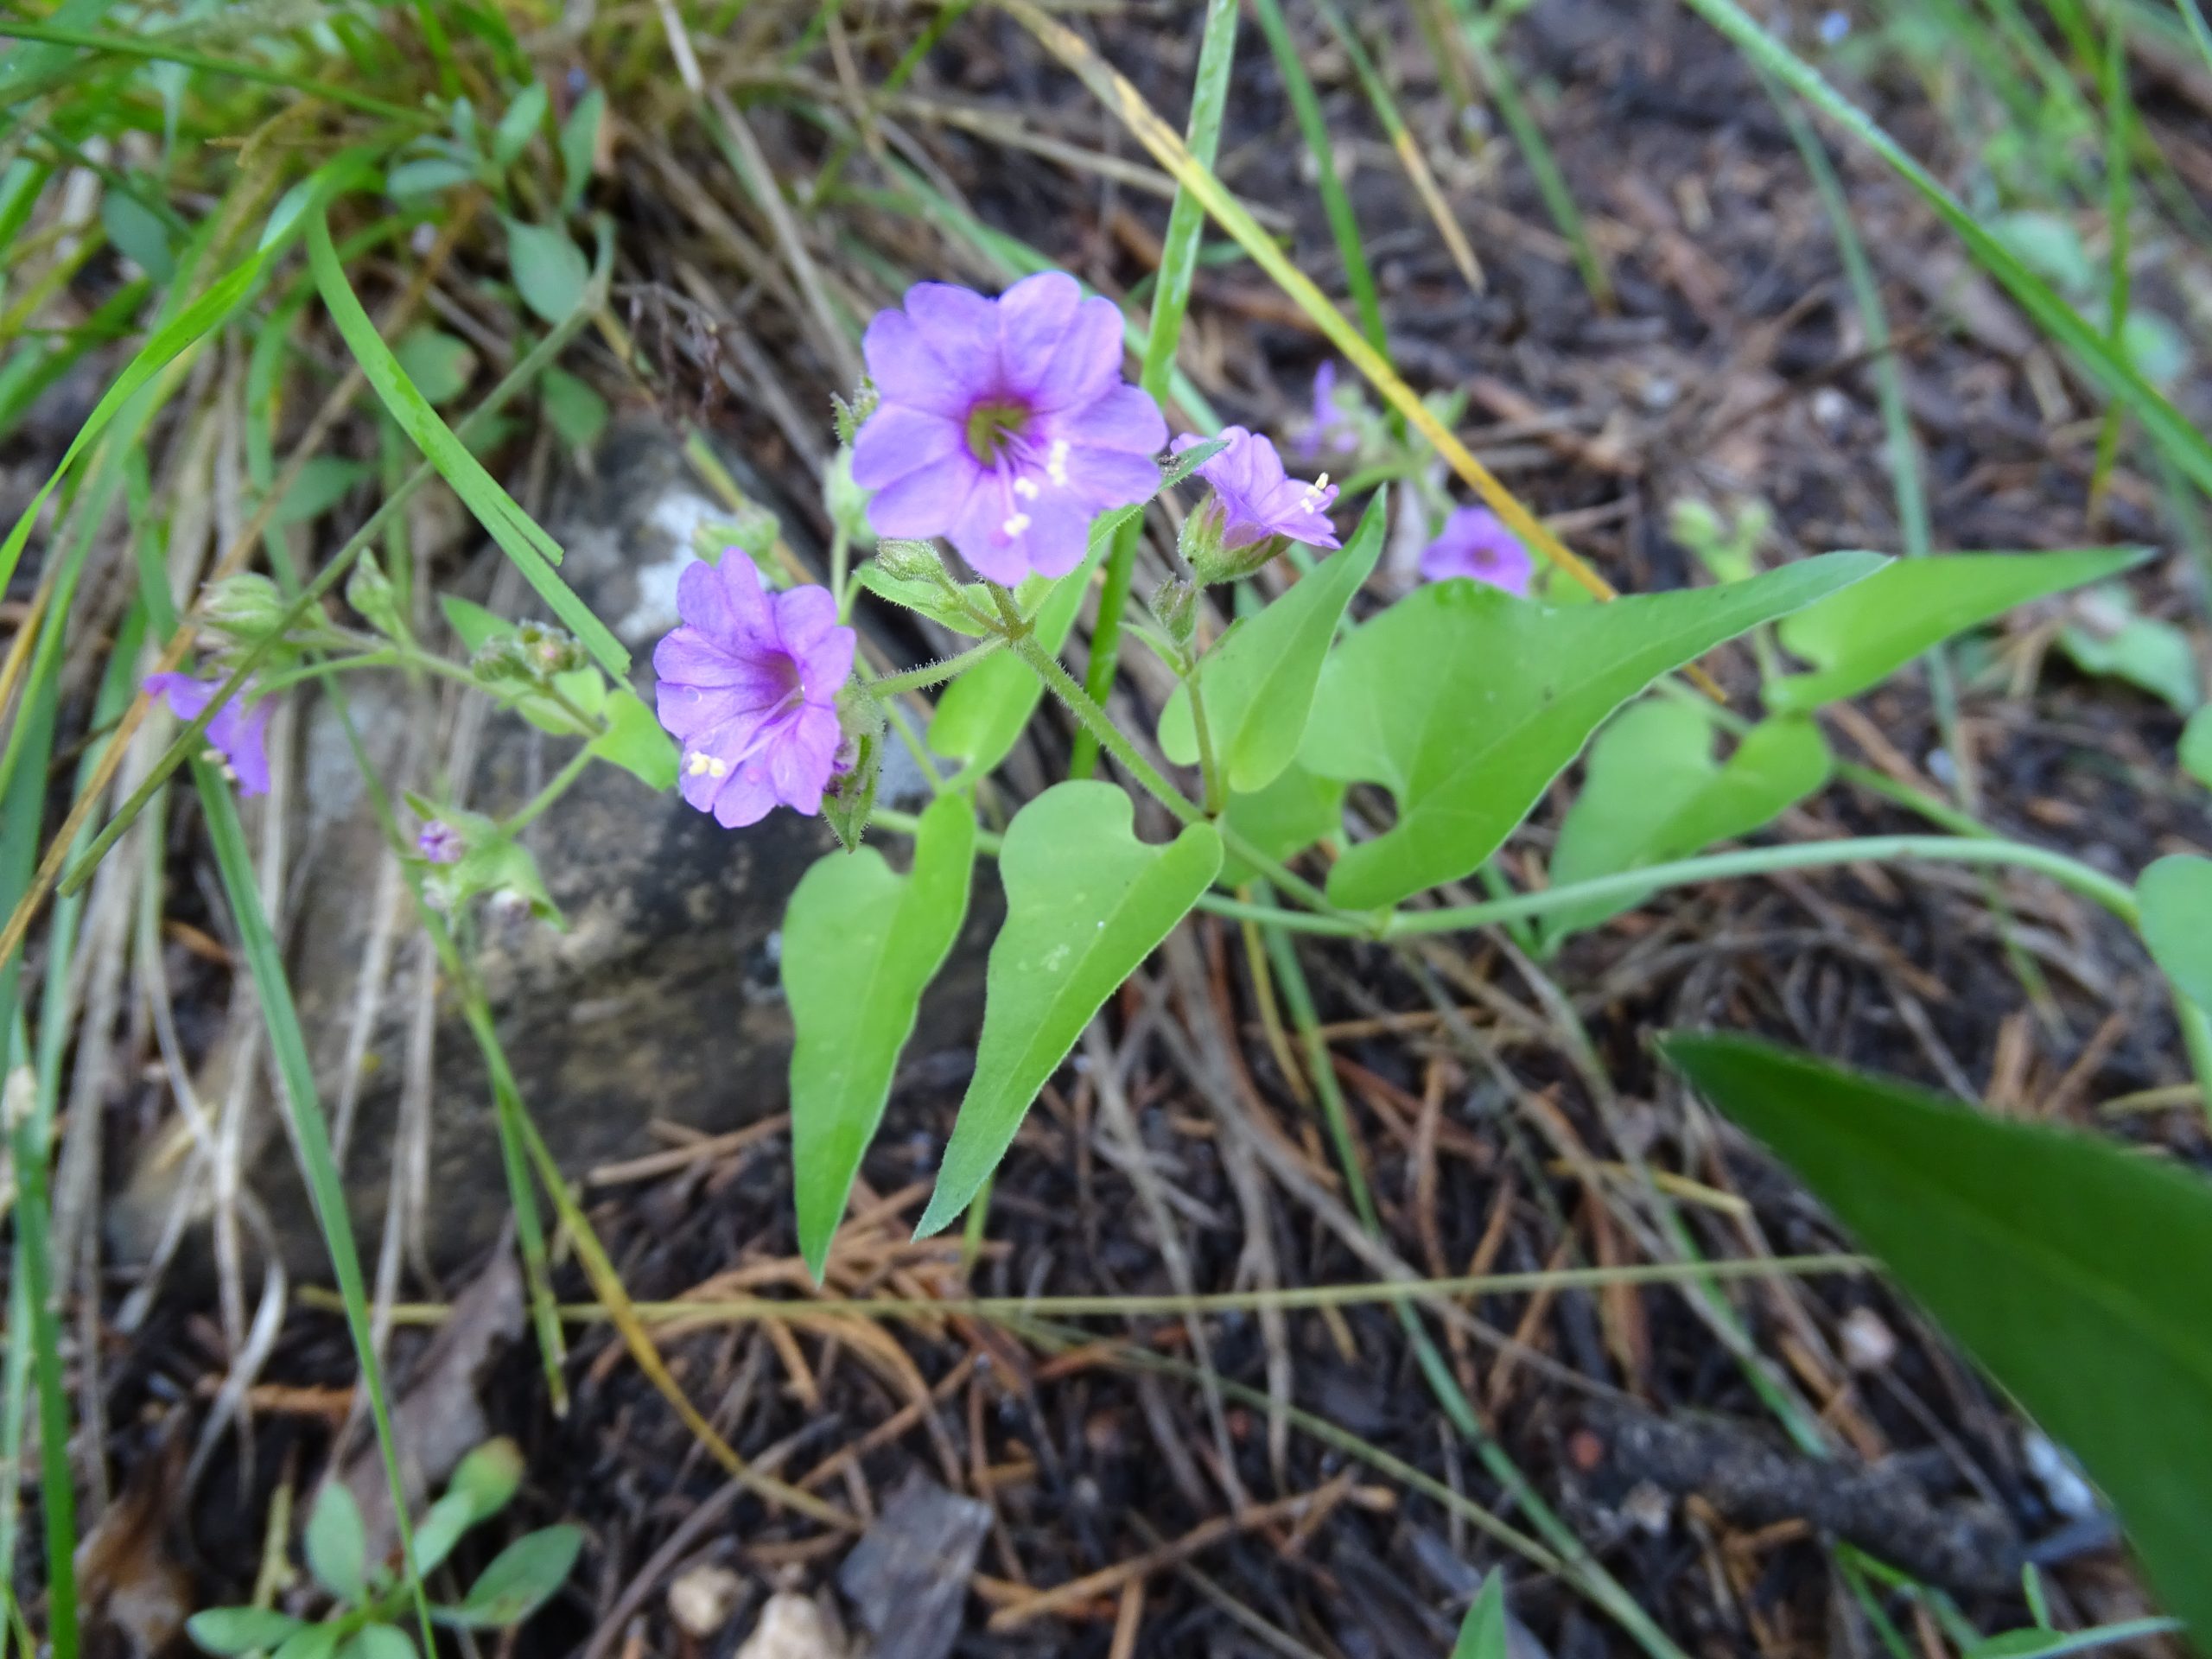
(748, 687)
(1255, 500)
(237, 737)
(1475, 542)
(1004, 425)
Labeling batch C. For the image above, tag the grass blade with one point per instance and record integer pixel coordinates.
(1171, 299)
(2172, 431)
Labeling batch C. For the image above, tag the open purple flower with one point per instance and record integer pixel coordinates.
(440, 842)
(1005, 424)
(1256, 500)
(1475, 542)
(748, 686)
(1332, 431)
(237, 737)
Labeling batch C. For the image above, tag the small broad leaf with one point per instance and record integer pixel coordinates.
(438, 364)
(323, 482)
(513, 135)
(335, 1544)
(138, 234)
(2196, 754)
(860, 945)
(2175, 895)
(926, 598)
(440, 1528)
(240, 1630)
(309, 1642)
(497, 864)
(1653, 792)
(1482, 1634)
(549, 270)
(2112, 637)
(2069, 1268)
(982, 715)
(580, 147)
(487, 1478)
(426, 175)
(1465, 703)
(578, 414)
(1287, 816)
(634, 741)
(1086, 902)
(1863, 635)
(377, 1640)
(1258, 680)
(519, 1579)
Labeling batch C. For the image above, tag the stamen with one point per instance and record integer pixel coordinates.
(1056, 461)
(703, 764)
(1016, 524)
(1026, 488)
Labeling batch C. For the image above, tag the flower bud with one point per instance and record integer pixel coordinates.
(245, 608)
(905, 561)
(850, 798)
(549, 650)
(849, 418)
(1175, 607)
(1202, 544)
(846, 501)
(369, 591)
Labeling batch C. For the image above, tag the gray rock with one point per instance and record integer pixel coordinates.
(908, 1577)
(660, 999)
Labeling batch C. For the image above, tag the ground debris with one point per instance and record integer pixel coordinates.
(908, 1577)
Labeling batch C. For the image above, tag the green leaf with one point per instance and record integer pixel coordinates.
(1653, 792)
(2175, 895)
(1258, 679)
(860, 945)
(487, 1478)
(1878, 626)
(2069, 1268)
(335, 1544)
(323, 484)
(438, 364)
(579, 144)
(1482, 1635)
(1465, 703)
(475, 627)
(309, 1642)
(440, 1530)
(2196, 754)
(634, 741)
(139, 233)
(378, 1641)
(520, 536)
(550, 269)
(2112, 637)
(426, 175)
(982, 715)
(499, 863)
(240, 1630)
(513, 135)
(926, 598)
(578, 413)
(519, 1580)
(1086, 902)
(1286, 817)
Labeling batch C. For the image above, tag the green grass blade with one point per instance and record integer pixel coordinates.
(2168, 427)
(2192, 17)
(2120, 122)
(127, 45)
(1537, 151)
(1186, 218)
(520, 537)
(1313, 126)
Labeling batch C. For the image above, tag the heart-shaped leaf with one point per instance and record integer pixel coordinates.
(1465, 703)
(860, 945)
(1086, 902)
(1258, 680)
(1864, 634)
(2176, 898)
(2069, 1268)
(1653, 792)
(1287, 816)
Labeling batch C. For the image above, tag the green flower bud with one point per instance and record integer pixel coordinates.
(849, 418)
(845, 501)
(905, 561)
(369, 591)
(1201, 547)
(850, 798)
(1175, 605)
(245, 608)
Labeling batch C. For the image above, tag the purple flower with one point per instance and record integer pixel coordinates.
(1474, 543)
(237, 737)
(440, 842)
(1257, 499)
(748, 686)
(1332, 431)
(1005, 424)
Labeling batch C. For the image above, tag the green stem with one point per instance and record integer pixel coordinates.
(1216, 794)
(929, 674)
(556, 786)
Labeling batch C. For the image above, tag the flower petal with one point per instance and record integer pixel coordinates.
(926, 502)
(1058, 536)
(897, 440)
(1124, 417)
(1111, 478)
(1086, 364)
(960, 329)
(801, 758)
(904, 369)
(983, 540)
(745, 797)
(185, 695)
(1033, 316)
